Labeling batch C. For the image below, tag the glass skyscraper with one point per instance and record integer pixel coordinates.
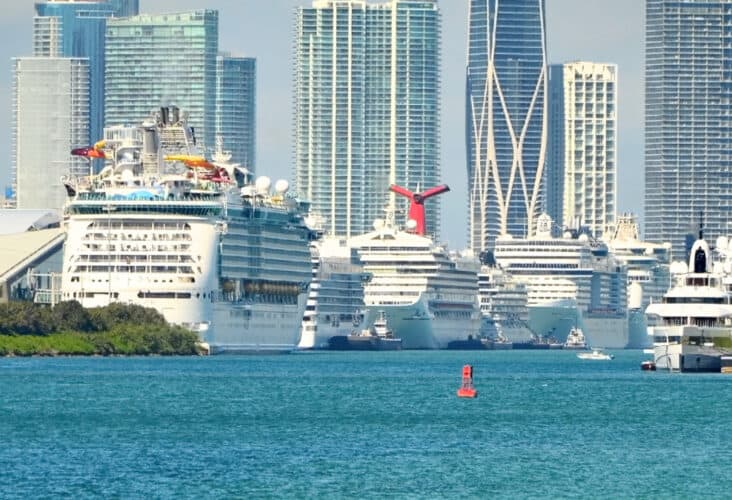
(50, 117)
(688, 78)
(166, 59)
(506, 120)
(76, 29)
(581, 174)
(236, 112)
(366, 85)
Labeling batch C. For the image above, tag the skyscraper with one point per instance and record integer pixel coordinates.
(166, 59)
(506, 120)
(581, 176)
(688, 80)
(67, 28)
(366, 85)
(236, 112)
(50, 117)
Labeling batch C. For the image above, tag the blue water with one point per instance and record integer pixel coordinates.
(366, 425)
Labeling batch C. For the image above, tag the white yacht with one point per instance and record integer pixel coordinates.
(648, 274)
(429, 295)
(693, 323)
(595, 354)
(571, 281)
(163, 227)
(335, 304)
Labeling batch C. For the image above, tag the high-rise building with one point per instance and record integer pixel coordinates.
(69, 28)
(366, 106)
(688, 80)
(236, 112)
(166, 59)
(581, 174)
(50, 117)
(506, 119)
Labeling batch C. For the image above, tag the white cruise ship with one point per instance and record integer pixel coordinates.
(648, 274)
(503, 305)
(335, 304)
(571, 282)
(428, 295)
(162, 227)
(692, 326)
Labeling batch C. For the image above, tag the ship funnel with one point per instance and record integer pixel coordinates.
(416, 207)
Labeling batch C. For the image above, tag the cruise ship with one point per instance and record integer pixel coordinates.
(162, 226)
(427, 294)
(692, 326)
(648, 274)
(335, 306)
(503, 305)
(572, 282)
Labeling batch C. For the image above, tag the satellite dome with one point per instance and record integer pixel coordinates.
(567, 235)
(281, 186)
(678, 268)
(722, 243)
(411, 224)
(262, 184)
(583, 238)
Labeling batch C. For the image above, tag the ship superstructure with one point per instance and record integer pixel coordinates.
(428, 294)
(648, 273)
(335, 305)
(572, 281)
(691, 328)
(503, 305)
(162, 226)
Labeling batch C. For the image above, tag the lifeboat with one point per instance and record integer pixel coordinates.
(467, 390)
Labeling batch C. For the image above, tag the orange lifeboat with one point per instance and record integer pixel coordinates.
(467, 390)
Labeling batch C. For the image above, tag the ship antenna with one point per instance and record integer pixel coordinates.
(701, 224)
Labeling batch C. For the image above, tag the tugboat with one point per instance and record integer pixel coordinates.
(575, 339)
(379, 337)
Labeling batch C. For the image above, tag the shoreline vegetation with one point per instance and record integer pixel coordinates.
(28, 329)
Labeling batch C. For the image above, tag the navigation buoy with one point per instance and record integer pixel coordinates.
(467, 390)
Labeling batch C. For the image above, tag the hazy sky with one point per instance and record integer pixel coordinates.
(595, 30)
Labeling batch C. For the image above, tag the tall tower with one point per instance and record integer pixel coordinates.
(688, 80)
(69, 28)
(366, 108)
(581, 175)
(166, 59)
(50, 117)
(506, 118)
(236, 112)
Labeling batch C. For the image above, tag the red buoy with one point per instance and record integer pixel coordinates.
(467, 390)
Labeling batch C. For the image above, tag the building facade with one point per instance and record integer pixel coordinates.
(50, 117)
(67, 28)
(581, 176)
(366, 108)
(160, 60)
(688, 88)
(236, 110)
(506, 119)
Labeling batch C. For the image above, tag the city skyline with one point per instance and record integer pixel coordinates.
(572, 34)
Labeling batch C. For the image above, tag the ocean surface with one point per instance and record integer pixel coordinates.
(362, 425)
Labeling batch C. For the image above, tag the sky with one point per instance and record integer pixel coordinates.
(609, 31)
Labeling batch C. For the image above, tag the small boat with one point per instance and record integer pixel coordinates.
(648, 366)
(595, 354)
(379, 337)
(575, 339)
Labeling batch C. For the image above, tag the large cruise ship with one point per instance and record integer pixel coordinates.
(163, 227)
(648, 274)
(335, 304)
(572, 281)
(692, 326)
(427, 294)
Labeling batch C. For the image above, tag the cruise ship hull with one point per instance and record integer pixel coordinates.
(421, 327)
(553, 319)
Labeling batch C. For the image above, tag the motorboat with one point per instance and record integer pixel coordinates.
(595, 354)
(575, 339)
